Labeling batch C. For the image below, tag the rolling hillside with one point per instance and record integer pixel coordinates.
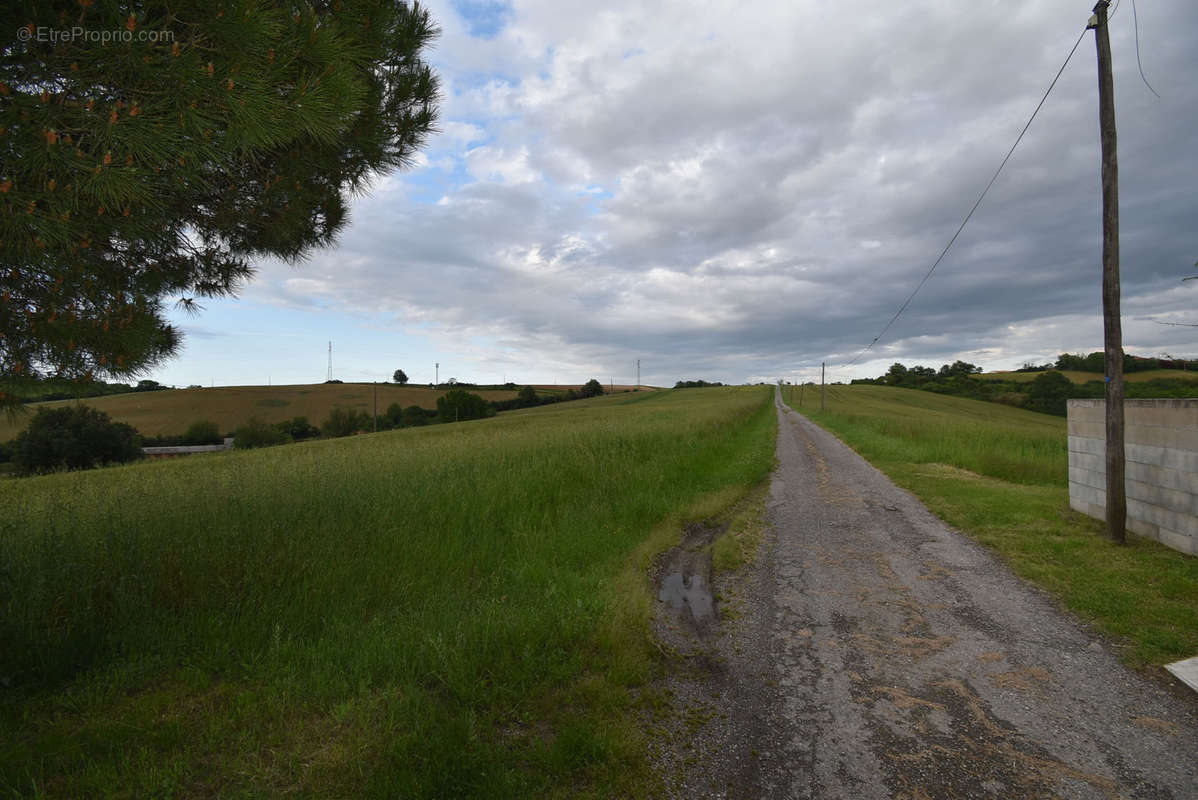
(170, 411)
(1085, 377)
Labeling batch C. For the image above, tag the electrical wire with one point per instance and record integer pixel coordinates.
(969, 216)
(1136, 17)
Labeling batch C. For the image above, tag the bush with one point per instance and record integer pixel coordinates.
(1016, 399)
(417, 415)
(458, 405)
(593, 388)
(393, 415)
(202, 431)
(1048, 393)
(298, 428)
(256, 433)
(346, 422)
(74, 437)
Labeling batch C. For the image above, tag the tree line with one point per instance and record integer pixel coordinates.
(1047, 393)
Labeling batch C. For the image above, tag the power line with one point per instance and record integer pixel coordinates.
(969, 216)
(1136, 17)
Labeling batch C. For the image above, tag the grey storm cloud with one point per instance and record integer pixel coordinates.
(741, 190)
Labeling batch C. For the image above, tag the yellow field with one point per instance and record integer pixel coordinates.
(170, 411)
(1083, 377)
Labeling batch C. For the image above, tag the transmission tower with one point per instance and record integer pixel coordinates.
(329, 377)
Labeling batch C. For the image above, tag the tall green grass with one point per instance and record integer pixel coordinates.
(1001, 475)
(922, 427)
(422, 613)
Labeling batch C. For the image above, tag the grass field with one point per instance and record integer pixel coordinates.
(1086, 377)
(1001, 475)
(170, 411)
(455, 611)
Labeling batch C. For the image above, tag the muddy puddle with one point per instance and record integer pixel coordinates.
(683, 577)
(693, 594)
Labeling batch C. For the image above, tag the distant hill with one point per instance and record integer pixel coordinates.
(171, 411)
(1077, 376)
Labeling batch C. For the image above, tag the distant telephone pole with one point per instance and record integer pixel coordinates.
(1116, 489)
(821, 385)
(638, 374)
(437, 374)
(329, 377)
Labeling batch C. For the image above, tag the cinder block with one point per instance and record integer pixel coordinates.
(1088, 494)
(1081, 444)
(1163, 517)
(1170, 458)
(1160, 476)
(1178, 541)
(1168, 499)
(1088, 461)
(1089, 509)
(1088, 415)
(1145, 529)
(1086, 477)
(1161, 436)
(1089, 430)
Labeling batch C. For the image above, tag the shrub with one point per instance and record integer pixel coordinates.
(345, 422)
(417, 415)
(527, 396)
(298, 428)
(74, 437)
(256, 433)
(1016, 399)
(593, 388)
(458, 405)
(1048, 393)
(393, 415)
(202, 431)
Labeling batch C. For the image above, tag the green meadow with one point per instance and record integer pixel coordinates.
(1000, 475)
(455, 611)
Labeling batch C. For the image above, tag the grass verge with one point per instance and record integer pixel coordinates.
(459, 611)
(1001, 475)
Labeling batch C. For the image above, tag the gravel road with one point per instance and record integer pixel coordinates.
(877, 653)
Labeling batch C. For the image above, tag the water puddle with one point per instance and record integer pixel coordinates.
(681, 592)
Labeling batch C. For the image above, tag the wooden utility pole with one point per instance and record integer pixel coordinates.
(1116, 490)
(821, 385)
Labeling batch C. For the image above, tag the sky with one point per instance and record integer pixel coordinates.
(739, 191)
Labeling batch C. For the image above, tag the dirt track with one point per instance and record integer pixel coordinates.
(876, 653)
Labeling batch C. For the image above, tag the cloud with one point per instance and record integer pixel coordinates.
(743, 190)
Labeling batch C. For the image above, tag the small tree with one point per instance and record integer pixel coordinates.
(202, 431)
(298, 428)
(400, 377)
(458, 405)
(527, 396)
(256, 433)
(414, 416)
(74, 437)
(393, 415)
(345, 422)
(593, 388)
(1048, 393)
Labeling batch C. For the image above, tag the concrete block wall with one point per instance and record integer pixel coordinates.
(1161, 446)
